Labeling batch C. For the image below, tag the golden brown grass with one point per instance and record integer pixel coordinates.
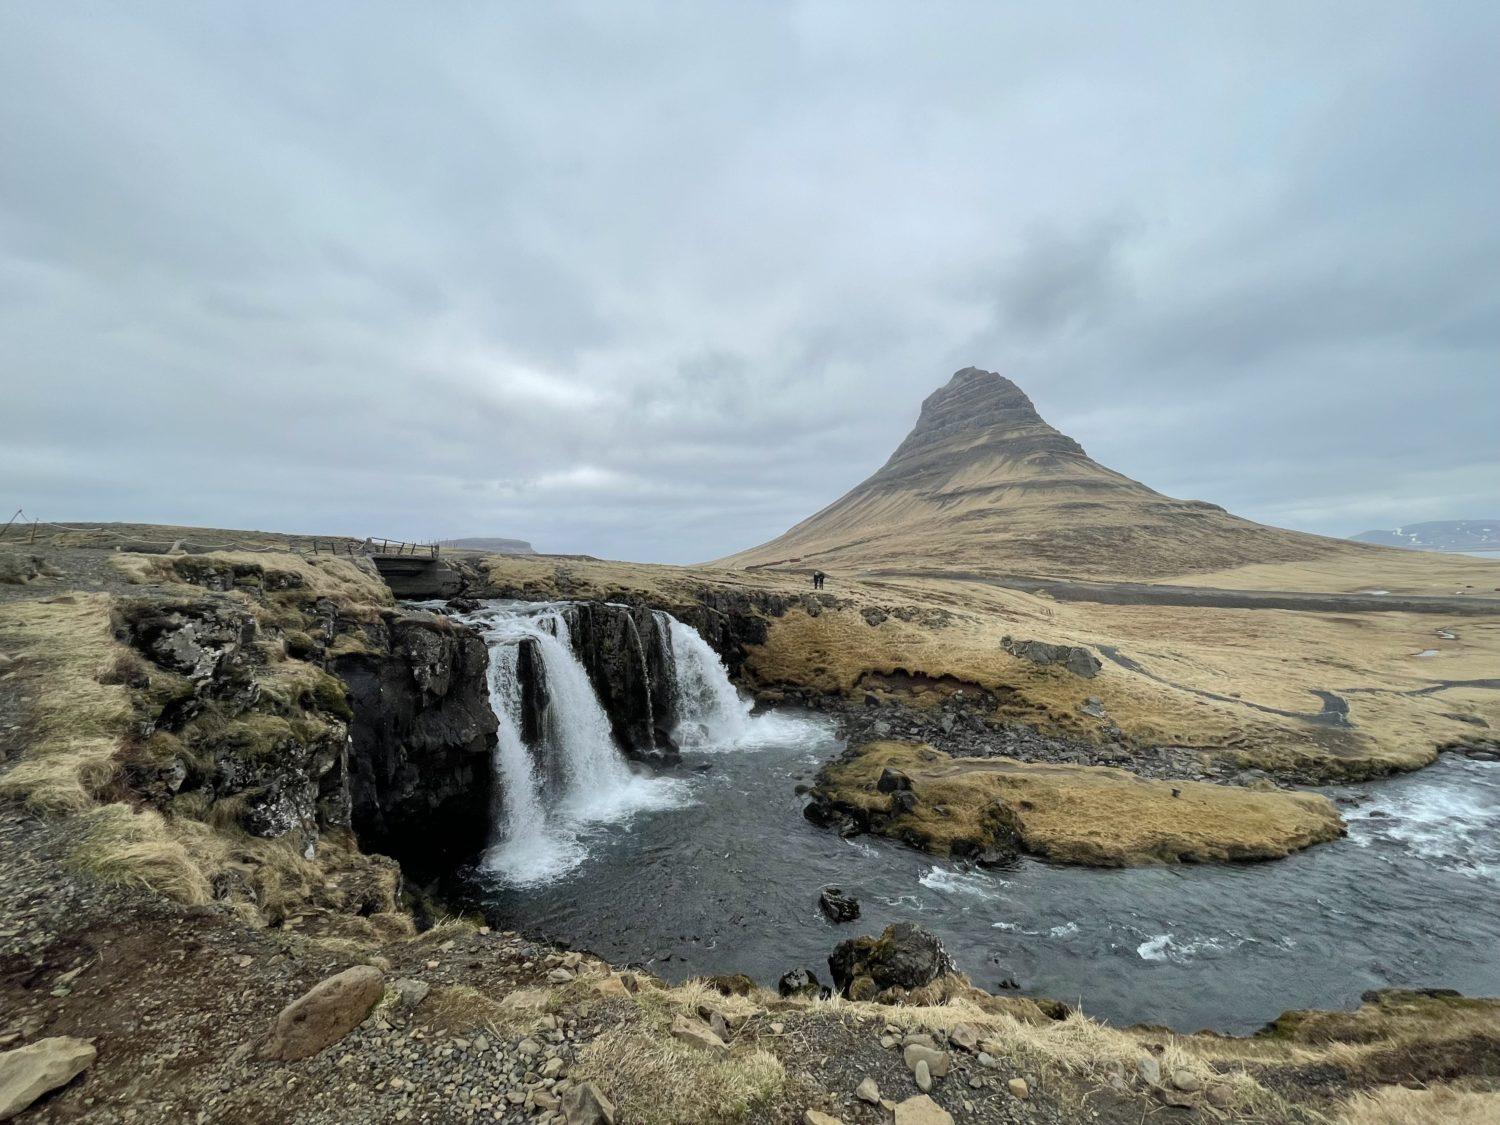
(1248, 660)
(65, 646)
(299, 577)
(656, 1080)
(137, 846)
(1438, 1105)
(1080, 814)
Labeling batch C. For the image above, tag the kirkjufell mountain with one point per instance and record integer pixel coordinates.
(983, 483)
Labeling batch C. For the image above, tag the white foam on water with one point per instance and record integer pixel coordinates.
(1167, 947)
(1067, 929)
(959, 882)
(1452, 819)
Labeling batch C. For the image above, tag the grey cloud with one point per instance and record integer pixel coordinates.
(658, 281)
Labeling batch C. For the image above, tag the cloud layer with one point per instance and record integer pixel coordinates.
(655, 281)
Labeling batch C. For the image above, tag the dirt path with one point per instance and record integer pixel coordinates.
(1207, 597)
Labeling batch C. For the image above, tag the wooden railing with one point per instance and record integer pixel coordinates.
(369, 546)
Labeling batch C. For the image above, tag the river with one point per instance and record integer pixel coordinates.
(709, 867)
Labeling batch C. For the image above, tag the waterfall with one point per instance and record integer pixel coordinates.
(539, 828)
(710, 713)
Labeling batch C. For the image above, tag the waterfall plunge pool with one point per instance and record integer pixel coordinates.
(709, 867)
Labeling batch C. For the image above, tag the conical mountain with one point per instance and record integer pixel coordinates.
(982, 483)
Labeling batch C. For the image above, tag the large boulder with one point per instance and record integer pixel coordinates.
(28, 1072)
(324, 1014)
(1076, 659)
(904, 956)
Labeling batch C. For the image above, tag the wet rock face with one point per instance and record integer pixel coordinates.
(420, 782)
(904, 956)
(628, 656)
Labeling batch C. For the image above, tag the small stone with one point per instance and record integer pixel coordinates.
(552, 1068)
(559, 976)
(937, 1061)
(923, 1076)
(868, 1091)
(28, 1072)
(611, 988)
(921, 1111)
(962, 1035)
(1187, 1081)
(1149, 1070)
(586, 1105)
(818, 1117)
(1219, 1095)
(697, 1034)
(1018, 1087)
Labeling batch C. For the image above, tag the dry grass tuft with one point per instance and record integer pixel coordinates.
(655, 1080)
(75, 721)
(122, 845)
(1438, 1105)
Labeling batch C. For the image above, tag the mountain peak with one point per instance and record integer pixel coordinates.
(976, 414)
(983, 484)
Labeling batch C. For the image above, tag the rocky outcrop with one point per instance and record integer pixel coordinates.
(904, 956)
(223, 727)
(628, 656)
(420, 779)
(1076, 659)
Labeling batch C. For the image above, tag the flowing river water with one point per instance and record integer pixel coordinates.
(709, 867)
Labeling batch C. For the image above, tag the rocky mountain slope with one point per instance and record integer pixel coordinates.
(983, 483)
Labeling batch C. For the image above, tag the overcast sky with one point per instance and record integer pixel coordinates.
(655, 281)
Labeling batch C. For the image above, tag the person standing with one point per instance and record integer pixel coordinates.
(818, 577)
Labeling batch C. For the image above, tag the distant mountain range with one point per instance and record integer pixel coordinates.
(1439, 535)
(498, 546)
(983, 484)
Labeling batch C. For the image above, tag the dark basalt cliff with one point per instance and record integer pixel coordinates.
(628, 655)
(292, 715)
(421, 785)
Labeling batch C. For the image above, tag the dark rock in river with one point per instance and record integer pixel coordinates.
(798, 982)
(904, 956)
(420, 779)
(838, 906)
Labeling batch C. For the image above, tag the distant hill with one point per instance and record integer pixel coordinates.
(1439, 535)
(983, 484)
(498, 546)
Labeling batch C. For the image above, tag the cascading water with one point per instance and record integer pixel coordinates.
(539, 828)
(710, 713)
